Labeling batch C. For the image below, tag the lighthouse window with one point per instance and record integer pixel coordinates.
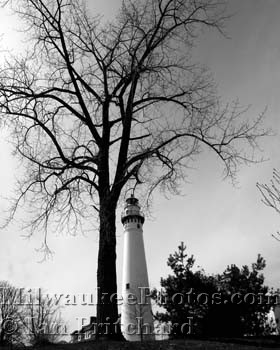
(127, 286)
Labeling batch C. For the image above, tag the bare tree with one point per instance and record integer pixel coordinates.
(40, 320)
(96, 108)
(10, 330)
(271, 195)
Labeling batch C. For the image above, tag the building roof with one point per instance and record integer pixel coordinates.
(87, 327)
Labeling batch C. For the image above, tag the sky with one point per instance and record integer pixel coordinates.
(221, 224)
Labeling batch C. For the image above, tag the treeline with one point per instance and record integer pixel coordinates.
(27, 317)
(232, 304)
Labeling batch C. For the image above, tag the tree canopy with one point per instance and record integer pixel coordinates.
(234, 303)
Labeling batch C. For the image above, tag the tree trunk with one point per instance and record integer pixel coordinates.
(2, 334)
(107, 309)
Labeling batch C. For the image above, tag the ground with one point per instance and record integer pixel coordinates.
(240, 344)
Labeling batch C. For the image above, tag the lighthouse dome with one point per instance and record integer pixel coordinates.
(132, 211)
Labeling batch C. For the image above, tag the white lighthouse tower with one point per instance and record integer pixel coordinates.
(136, 314)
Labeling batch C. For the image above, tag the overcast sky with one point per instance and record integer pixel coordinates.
(219, 223)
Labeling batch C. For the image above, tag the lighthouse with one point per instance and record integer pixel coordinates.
(136, 314)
